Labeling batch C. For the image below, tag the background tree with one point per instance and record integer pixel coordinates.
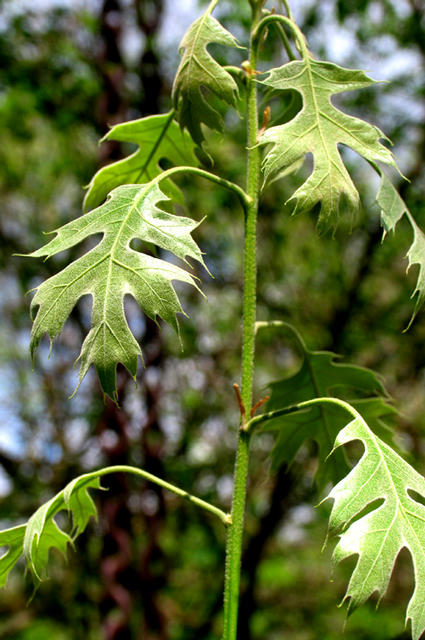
(67, 75)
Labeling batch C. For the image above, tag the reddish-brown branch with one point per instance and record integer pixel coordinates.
(257, 405)
(240, 403)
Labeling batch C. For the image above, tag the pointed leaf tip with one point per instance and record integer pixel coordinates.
(198, 71)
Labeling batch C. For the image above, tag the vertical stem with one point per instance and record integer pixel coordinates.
(235, 534)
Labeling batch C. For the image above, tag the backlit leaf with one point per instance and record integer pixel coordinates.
(158, 137)
(199, 72)
(112, 270)
(13, 539)
(41, 533)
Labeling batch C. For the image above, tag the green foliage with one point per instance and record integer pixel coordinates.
(158, 137)
(319, 376)
(42, 533)
(385, 483)
(318, 129)
(393, 208)
(198, 71)
(138, 209)
(13, 539)
(112, 270)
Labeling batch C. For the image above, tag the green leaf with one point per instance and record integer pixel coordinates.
(112, 270)
(319, 376)
(393, 208)
(158, 137)
(378, 536)
(13, 539)
(318, 129)
(41, 533)
(199, 71)
(392, 205)
(80, 503)
(41, 540)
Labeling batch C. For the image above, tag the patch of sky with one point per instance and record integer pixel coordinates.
(11, 437)
(292, 530)
(76, 434)
(52, 452)
(5, 483)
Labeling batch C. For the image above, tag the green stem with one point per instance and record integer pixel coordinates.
(269, 415)
(235, 534)
(227, 184)
(224, 517)
(237, 72)
(283, 21)
(211, 6)
(287, 8)
(285, 43)
(281, 324)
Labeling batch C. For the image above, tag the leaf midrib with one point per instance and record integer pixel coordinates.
(317, 114)
(190, 51)
(112, 257)
(156, 145)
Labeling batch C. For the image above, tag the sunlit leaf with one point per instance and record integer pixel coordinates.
(395, 522)
(393, 208)
(319, 128)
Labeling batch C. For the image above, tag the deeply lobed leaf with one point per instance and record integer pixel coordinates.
(319, 128)
(110, 271)
(378, 537)
(199, 72)
(158, 137)
(41, 533)
(319, 376)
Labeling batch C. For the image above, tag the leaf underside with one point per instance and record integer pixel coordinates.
(320, 376)
(393, 208)
(199, 71)
(378, 537)
(318, 128)
(110, 271)
(158, 137)
(41, 533)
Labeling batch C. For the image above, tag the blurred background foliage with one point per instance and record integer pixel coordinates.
(151, 567)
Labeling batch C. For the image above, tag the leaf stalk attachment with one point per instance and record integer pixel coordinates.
(207, 506)
(244, 197)
(35, 538)
(254, 422)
